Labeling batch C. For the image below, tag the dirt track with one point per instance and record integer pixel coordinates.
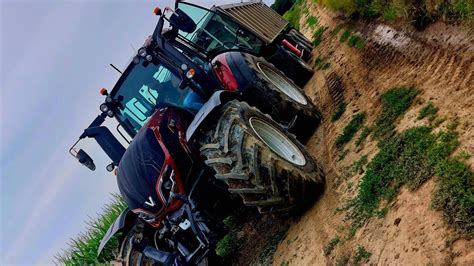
(439, 62)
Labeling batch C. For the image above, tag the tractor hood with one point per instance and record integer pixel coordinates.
(139, 171)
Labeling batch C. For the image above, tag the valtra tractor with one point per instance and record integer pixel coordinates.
(209, 121)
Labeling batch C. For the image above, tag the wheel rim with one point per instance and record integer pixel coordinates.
(282, 83)
(277, 141)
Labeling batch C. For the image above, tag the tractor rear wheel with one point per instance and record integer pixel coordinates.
(275, 94)
(294, 67)
(261, 162)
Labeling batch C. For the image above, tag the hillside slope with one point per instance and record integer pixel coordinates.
(439, 63)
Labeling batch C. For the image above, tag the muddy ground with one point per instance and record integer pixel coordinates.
(439, 62)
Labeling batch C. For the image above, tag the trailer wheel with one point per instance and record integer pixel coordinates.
(275, 94)
(294, 67)
(261, 162)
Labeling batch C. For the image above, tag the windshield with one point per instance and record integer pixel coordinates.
(215, 33)
(145, 85)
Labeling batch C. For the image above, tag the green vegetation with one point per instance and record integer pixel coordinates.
(342, 261)
(321, 63)
(318, 35)
(294, 14)
(428, 110)
(356, 41)
(395, 102)
(312, 21)
(266, 254)
(229, 245)
(83, 249)
(351, 128)
(419, 13)
(410, 158)
(341, 108)
(349, 171)
(363, 135)
(361, 254)
(345, 36)
(331, 245)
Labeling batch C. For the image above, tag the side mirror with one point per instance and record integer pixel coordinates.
(85, 159)
(182, 21)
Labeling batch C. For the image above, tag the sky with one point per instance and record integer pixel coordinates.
(54, 59)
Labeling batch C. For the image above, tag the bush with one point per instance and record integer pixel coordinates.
(341, 108)
(428, 110)
(312, 21)
(318, 35)
(294, 14)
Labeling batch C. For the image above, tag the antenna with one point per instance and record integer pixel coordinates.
(133, 48)
(114, 67)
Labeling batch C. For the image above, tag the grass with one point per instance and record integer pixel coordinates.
(312, 21)
(266, 255)
(410, 158)
(228, 246)
(419, 13)
(318, 35)
(395, 102)
(342, 261)
(350, 129)
(331, 245)
(363, 135)
(361, 254)
(341, 108)
(321, 63)
(349, 171)
(429, 110)
(345, 36)
(356, 41)
(83, 249)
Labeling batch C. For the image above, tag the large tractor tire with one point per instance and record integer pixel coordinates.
(294, 67)
(261, 162)
(275, 94)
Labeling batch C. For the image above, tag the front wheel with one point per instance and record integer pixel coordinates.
(261, 162)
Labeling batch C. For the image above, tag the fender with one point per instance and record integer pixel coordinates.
(217, 99)
(124, 222)
(233, 72)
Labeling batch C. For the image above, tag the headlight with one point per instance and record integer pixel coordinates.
(149, 58)
(110, 113)
(104, 108)
(142, 52)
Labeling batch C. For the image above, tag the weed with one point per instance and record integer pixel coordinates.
(345, 36)
(341, 108)
(395, 102)
(229, 245)
(284, 263)
(342, 261)
(351, 128)
(382, 213)
(331, 245)
(356, 41)
(363, 135)
(336, 30)
(321, 64)
(342, 155)
(266, 255)
(453, 124)
(438, 121)
(83, 250)
(361, 254)
(318, 35)
(462, 155)
(455, 195)
(389, 13)
(356, 167)
(312, 21)
(428, 110)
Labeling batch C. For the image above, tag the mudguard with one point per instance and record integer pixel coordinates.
(123, 223)
(216, 100)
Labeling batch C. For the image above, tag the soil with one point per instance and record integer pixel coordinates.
(439, 62)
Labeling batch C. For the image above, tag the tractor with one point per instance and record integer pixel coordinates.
(207, 122)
